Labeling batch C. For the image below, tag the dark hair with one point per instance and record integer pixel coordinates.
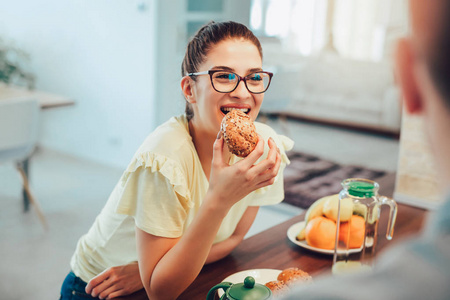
(205, 38)
(438, 60)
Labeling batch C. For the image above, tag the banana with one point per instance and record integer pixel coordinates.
(330, 208)
(301, 235)
(316, 209)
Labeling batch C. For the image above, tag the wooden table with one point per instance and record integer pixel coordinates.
(46, 101)
(271, 249)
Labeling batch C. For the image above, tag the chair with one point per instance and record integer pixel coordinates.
(19, 125)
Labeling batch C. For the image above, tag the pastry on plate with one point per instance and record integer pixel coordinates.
(292, 276)
(277, 287)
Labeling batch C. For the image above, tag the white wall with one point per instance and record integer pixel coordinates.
(102, 55)
(172, 41)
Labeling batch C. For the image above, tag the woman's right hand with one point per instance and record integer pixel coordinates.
(115, 282)
(232, 183)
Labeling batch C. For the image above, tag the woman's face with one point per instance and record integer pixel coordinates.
(235, 55)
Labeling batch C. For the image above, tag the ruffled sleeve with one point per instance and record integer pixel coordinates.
(154, 190)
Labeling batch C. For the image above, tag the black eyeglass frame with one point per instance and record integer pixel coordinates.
(240, 78)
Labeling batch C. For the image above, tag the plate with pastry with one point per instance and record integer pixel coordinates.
(286, 280)
(322, 240)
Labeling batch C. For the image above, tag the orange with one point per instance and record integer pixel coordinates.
(357, 228)
(320, 232)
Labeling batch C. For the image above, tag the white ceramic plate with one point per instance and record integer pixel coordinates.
(261, 276)
(294, 230)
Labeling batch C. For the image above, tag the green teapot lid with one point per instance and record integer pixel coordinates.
(249, 290)
(361, 189)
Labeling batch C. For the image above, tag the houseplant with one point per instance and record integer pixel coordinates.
(12, 70)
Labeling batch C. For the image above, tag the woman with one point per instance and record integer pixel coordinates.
(184, 200)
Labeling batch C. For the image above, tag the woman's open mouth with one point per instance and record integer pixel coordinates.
(226, 110)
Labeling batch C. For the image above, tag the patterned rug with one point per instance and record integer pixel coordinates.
(309, 178)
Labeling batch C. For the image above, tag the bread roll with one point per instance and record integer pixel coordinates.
(293, 276)
(277, 287)
(239, 133)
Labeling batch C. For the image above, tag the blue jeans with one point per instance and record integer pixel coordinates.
(73, 288)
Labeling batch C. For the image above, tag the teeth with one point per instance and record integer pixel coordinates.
(228, 109)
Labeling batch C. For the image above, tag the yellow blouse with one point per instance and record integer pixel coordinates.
(160, 192)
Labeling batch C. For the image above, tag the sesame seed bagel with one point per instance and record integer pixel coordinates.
(239, 133)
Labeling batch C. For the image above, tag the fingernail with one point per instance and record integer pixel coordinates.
(218, 135)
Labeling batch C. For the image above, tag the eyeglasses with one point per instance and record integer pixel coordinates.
(226, 82)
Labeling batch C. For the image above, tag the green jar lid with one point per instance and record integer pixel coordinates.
(361, 189)
(248, 290)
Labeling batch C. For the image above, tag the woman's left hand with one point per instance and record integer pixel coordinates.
(231, 183)
(115, 282)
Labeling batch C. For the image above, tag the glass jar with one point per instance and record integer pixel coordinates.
(357, 223)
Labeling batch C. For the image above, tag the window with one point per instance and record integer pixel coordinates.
(355, 29)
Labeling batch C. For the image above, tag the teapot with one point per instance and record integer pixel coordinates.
(248, 290)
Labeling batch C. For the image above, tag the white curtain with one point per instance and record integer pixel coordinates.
(364, 29)
(361, 29)
(299, 24)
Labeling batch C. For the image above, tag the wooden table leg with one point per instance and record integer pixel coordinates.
(30, 196)
(26, 200)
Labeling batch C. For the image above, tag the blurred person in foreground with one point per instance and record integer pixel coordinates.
(420, 268)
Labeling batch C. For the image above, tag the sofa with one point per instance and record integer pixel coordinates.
(328, 88)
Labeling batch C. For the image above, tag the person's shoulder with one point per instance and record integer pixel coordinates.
(169, 139)
(169, 149)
